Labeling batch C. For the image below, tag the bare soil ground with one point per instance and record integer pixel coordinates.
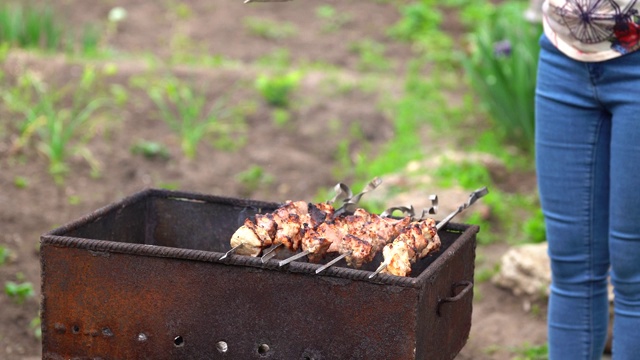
(301, 157)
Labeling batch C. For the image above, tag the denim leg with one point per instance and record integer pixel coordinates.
(572, 151)
(620, 84)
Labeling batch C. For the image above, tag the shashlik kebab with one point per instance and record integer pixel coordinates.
(356, 237)
(284, 225)
(405, 250)
(281, 227)
(350, 202)
(416, 241)
(311, 227)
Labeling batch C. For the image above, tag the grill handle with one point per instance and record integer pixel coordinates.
(468, 285)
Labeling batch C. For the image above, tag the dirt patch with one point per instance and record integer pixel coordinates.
(300, 157)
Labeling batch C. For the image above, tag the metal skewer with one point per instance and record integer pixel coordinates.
(270, 253)
(233, 250)
(472, 199)
(342, 192)
(378, 270)
(294, 257)
(330, 263)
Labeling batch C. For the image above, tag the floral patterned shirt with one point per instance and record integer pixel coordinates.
(593, 30)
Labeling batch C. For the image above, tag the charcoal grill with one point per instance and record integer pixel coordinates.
(142, 279)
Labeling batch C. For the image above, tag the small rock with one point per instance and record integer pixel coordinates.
(525, 270)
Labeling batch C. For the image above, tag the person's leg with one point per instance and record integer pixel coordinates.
(572, 161)
(620, 84)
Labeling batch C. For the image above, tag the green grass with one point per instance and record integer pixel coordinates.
(58, 121)
(253, 178)
(371, 56)
(4, 254)
(29, 27)
(194, 117)
(532, 352)
(332, 19)
(268, 29)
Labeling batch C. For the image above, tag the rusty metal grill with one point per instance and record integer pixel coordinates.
(142, 279)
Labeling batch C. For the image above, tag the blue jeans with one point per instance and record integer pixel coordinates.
(587, 155)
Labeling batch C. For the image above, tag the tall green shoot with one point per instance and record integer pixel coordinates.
(29, 27)
(189, 113)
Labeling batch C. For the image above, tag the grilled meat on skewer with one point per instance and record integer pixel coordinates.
(252, 237)
(373, 229)
(284, 226)
(415, 242)
(360, 227)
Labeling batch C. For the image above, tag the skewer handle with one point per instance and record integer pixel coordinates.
(330, 263)
(472, 199)
(294, 257)
(351, 203)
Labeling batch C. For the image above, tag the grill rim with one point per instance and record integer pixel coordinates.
(56, 237)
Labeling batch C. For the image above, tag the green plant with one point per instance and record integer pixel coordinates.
(332, 19)
(279, 58)
(74, 200)
(254, 177)
(20, 182)
(371, 55)
(485, 274)
(19, 292)
(35, 325)
(29, 27)
(187, 112)
(276, 89)
(90, 41)
(169, 185)
(57, 117)
(419, 19)
(532, 352)
(281, 117)
(534, 227)
(501, 68)
(4, 254)
(150, 150)
(268, 29)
